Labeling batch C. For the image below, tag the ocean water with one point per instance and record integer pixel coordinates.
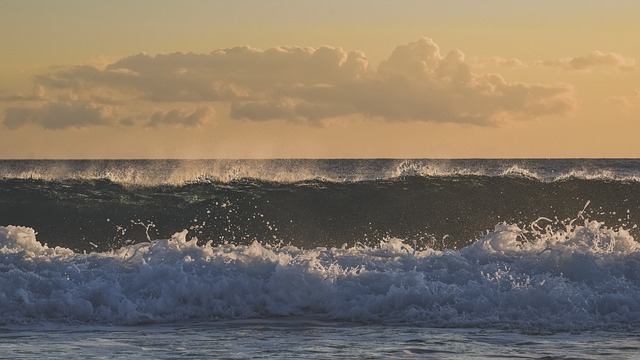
(320, 258)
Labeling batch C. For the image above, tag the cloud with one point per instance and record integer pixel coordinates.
(223, 75)
(199, 117)
(508, 63)
(60, 115)
(626, 102)
(595, 59)
(38, 94)
(417, 82)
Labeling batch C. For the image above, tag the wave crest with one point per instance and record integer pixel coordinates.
(181, 172)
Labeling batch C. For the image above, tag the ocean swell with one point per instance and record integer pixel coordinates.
(439, 212)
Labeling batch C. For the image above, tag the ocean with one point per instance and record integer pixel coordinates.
(376, 258)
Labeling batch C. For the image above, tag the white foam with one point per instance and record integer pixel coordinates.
(430, 168)
(516, 170)
(594, 175)
(180, 172)
(592, 238)
(170, 172)
(20, 239)
(572, 276)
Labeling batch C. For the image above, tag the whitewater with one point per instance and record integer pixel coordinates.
(320, 258)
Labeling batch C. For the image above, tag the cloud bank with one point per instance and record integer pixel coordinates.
(308, 85)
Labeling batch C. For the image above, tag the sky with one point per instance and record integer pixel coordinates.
(319, 79)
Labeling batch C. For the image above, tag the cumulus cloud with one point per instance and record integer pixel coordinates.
(223, 75)
(418, 82)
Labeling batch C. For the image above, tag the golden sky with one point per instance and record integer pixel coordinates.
(319, 79)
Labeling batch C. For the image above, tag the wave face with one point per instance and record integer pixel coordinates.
(517, 243)
(103, 205)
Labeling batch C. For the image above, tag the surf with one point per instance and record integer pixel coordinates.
(577, 275)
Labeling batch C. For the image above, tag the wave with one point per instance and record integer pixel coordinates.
(149, 173)
(548, 245)
(582, 275)
(442, 212)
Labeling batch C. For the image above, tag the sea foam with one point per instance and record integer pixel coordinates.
(580, 275)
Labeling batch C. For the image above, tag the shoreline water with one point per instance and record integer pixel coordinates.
(309, 340)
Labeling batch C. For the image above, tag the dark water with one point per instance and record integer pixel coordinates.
(101, 205)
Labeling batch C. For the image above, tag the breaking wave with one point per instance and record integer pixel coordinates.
(526, 244)
(581, 275)
(183, 172)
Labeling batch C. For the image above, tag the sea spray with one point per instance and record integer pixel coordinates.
(583, 276)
